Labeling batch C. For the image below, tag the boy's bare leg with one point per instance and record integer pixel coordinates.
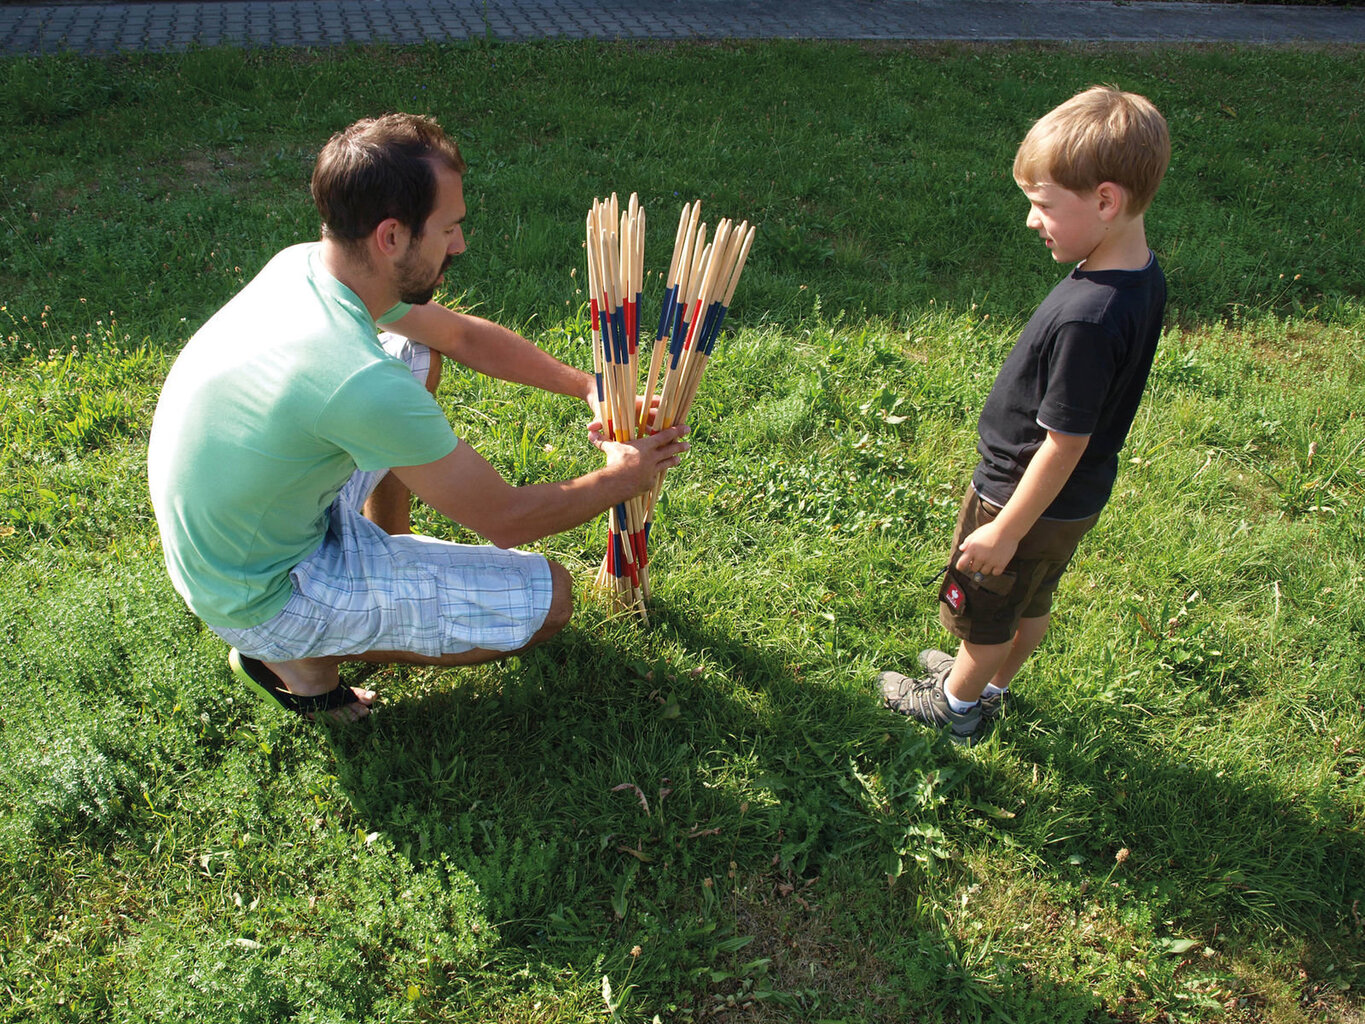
(974, 667)
(308, 677)
(1026, 640)
(978, 665)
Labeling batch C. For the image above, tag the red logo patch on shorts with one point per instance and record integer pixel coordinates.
(954, 597)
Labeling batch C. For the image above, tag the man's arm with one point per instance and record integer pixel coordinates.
(495, 351)
(989, 548)
(464, 487)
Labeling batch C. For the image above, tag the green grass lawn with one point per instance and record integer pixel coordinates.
(712, 818)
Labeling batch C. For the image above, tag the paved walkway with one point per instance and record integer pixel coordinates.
(103, 28)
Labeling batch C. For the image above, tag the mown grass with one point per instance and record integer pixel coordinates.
(710, 818)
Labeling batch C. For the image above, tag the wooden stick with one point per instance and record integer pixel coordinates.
(611, 273)
(699, 287)
(666, 311)
(715, 255)
(735, 256)
(694, 258)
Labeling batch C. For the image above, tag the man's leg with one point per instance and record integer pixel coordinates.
(561, 610)
(389, 505)
(308, 677)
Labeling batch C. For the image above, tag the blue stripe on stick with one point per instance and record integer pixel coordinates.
(713, 327)
(679, 317)
(704, 332)
(666, 310)
(675, 344)
(606, 345)
(620, 343)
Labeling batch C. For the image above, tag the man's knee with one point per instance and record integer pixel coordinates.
(561, 600)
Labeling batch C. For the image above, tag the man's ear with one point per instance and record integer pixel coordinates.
(390, 237)
(1113, 198)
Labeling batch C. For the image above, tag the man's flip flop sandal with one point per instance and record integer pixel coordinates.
(270, 687)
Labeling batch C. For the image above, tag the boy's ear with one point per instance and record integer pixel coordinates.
(1112, 197)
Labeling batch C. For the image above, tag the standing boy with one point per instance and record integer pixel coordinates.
(1061, 407)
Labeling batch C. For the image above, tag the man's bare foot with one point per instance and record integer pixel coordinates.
(318, 678)
(303, 687)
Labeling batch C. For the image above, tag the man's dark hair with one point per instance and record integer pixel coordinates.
(379, 168)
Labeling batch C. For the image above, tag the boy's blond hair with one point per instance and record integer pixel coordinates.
(1101, 134)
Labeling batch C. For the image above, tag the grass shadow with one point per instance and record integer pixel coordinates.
(730, 820)
(1198, 859)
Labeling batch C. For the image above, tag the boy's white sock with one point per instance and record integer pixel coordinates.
(959, 706)
(992, 690)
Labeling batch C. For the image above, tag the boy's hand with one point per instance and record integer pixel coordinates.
(991, 546)
(987, 550)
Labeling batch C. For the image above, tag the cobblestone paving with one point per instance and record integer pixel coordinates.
(104, 28)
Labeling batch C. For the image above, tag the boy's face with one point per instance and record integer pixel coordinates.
(1069, 223)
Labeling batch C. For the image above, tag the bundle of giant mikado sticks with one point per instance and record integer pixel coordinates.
(701, 282)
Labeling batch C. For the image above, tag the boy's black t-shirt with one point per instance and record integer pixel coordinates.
(1079, 367)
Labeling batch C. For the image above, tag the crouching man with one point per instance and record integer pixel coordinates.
(295, 424)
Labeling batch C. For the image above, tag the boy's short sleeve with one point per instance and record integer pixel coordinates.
(1079, 368)
(1084, 359)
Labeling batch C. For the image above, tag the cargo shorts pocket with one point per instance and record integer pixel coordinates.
(975, 595)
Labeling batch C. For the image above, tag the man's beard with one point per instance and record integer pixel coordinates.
(414, 290)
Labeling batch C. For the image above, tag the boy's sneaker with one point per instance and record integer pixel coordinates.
(993, 705)
(938, 665)
(923, 699)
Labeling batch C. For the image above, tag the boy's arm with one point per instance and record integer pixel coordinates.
(989, 548)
